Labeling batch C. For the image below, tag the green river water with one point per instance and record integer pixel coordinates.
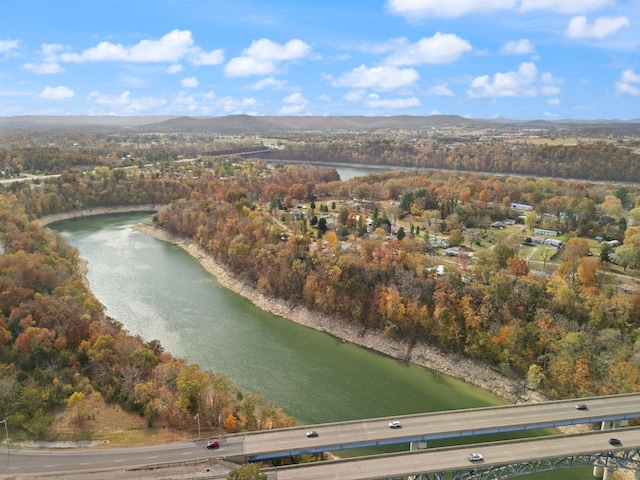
(159, 292)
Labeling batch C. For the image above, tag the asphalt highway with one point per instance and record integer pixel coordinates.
(15, 463)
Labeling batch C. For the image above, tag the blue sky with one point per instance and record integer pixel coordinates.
(518, 59)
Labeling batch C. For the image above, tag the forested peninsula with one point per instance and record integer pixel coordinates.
(367, 254)
(423, 354)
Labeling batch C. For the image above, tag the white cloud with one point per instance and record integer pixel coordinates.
(441, 90)
(519, 47)
(266, 50)
(244, 66)
(420, 9)
(43, 68)
(262, 57)
(57, 93)
(172, 47)
(383, 78)
(268, 82)
(126, 103)
(629, 83)
(175, 68)
(8, 46)
(296, 97)
(553, 101)
(189, 82)
(232, 106)
(292, 110)
(601, 28)
(441, 48)
(214, 57)
(413, 10)
(523, 83)
(375, 102)
(194, 103)
(354, 96)
(565, 6)
(296, 104)
(50, 63)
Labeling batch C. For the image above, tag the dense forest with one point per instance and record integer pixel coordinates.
(603, 158)
(598, 161)
(571, 333)
(57, 348)
(360, 251)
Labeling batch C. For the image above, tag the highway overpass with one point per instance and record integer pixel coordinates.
(500, 459)
(362, 433)
(439, 425)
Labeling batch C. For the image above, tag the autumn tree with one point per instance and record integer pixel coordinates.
(248, 471)
(77, 402)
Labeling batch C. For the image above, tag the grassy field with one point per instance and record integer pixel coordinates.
(114, 426)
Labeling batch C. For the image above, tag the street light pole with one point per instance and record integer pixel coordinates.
(6, 431)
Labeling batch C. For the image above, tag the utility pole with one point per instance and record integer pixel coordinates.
(6, 431)
(197, 417)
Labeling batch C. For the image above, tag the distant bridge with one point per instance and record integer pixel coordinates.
(245, 151)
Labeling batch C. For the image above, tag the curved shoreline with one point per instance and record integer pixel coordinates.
(421, 354)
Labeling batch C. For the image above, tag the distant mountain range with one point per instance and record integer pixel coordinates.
(246, 124)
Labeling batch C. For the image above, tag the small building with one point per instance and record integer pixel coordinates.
(521, 206)
(549, 233)
(553, 242)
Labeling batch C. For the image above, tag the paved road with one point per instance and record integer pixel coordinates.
(331, 437)
(440, 425)
(448, 459)
(33, 463)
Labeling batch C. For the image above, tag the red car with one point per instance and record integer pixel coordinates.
(213, 444)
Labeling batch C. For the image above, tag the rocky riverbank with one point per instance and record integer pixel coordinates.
(424, 355)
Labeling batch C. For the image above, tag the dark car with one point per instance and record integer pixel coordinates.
(312, 433)
(213, 444)
(581, 406)
(615, 441)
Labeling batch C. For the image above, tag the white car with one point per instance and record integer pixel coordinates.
(395, 424)
(474, 457)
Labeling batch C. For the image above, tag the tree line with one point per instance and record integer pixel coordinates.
(600, 161)
(57, 347)
(571, 333)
